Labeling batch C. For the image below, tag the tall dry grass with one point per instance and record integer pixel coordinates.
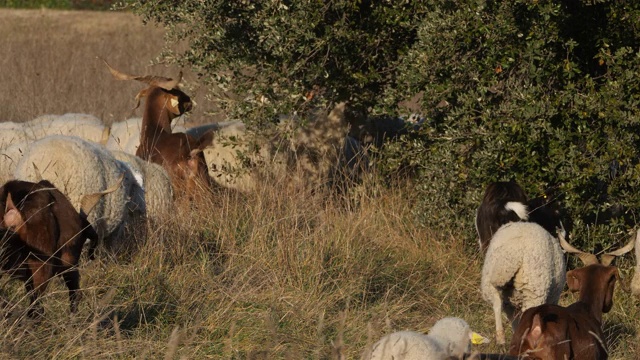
(282, 273)
(48, 64)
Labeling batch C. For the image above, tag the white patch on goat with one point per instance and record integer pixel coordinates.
(519, 208)
(138, 176)
(174, 103)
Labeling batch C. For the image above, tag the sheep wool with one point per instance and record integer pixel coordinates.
(85, 126)
(524, 267)
(9, 159)
(125, 135)
(78, 167)
(449, 337)
(11, 133)
(153, 185)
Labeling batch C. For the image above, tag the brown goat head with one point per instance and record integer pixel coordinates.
(594, 279)
(163, 96)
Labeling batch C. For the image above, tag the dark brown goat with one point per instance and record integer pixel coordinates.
(180, 154)
(573, 332)
(43, 236)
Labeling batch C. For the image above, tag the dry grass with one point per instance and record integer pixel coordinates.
(48, 64)
(281, 273)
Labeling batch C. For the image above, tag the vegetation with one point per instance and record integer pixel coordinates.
(284, 273)
(541, 91)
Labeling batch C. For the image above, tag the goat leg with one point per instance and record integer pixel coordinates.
(72, 280)
(36, 285)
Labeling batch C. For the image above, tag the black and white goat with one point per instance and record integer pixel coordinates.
(506, 201)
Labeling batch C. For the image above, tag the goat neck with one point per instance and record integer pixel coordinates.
(158, 113)
(156, 120)
(595, 283)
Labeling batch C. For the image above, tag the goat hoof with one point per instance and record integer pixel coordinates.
(35, 312)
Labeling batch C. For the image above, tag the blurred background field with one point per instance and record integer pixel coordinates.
(271, 275)
(50, 64)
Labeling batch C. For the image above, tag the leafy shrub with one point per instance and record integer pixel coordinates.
(545, 92)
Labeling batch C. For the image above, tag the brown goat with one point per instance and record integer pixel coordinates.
(573, 332)
(180, 154)
(43, 236)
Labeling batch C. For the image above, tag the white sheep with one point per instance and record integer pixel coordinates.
(449, 337)
(125, 135)
(9, 158)
(201, 130)
(635, 281)
(223, 157)
(302, 154)
(153, 183)
(524, 267)
(77, 167)
(85, 126)
(11, 133)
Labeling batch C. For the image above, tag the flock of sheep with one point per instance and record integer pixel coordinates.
(71, 178)
(138, 169)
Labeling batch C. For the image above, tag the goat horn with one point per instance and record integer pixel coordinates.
(159, 81)
(607, 258)
(587, 259)
(37, 171)
(89, 201)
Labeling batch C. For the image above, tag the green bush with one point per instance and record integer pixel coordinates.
(540, 91)
(545, 92)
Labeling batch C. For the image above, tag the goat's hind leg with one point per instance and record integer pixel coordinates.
(72, 280)
(36, 285)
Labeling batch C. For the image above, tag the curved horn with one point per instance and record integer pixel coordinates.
(37, 172)
(89, 201)
(159, 81)
(587, 259)
(607, 258)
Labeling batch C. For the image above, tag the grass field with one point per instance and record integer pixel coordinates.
(277, 274)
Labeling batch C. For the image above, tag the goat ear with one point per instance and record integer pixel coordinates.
(535, 332)
(173, 104)
(611, 277)
(12, 218)
(573, 280)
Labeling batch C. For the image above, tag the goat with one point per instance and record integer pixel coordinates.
(180, 154)
(77, 167)
(44, 236)
(575, 332)
(506, 201)
(524, 267)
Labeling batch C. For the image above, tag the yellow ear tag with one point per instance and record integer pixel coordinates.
(477, 339)
(174, 103)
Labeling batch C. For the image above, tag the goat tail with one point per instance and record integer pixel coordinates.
(519, 208)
